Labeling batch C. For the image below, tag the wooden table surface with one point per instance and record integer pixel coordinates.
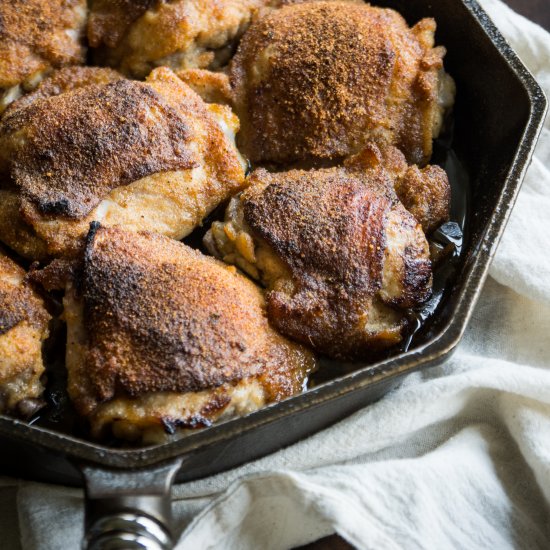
(539, 11)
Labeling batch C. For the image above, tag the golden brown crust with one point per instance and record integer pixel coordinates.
(155, 417)
(135, 37)
(64, 80)
(55, 275)
(15, 232)
(333, 229)
(109, 19)
(280, 3)
(80, 145)
(316, 80)
(326, 224)
(18, 302)
(220, 154)
(36, 35)
(162, 317)
(23, 328)
(147, 156)
(426, 194)
(212, 86)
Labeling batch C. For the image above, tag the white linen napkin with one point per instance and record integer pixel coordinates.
(457, 457)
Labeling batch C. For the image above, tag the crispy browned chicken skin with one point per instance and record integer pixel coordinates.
(315, 81)
(37, 36)
(340, 255)
(160, 337)
(146, 155)
(65, 80)
(23, 328)
(424, 192)
(137, 36)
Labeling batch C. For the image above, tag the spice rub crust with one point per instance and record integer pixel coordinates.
(210, 329)
(317, 80)
(69, 151)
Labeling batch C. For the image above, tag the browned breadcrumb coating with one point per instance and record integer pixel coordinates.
(425, 192)
(64, 80)
(280, 3)
(315, 81)
(109, 19)
(14, 232)
(340, 255)
(72, 149)
(138, 36)
(212, 86)
(19, 301)
(55, 275)
(148, 155)
(208, 333)
(38, 35)
(23, 327)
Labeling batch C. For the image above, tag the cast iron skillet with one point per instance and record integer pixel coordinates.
(498, 116)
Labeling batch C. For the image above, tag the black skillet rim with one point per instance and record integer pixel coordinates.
(430, 353)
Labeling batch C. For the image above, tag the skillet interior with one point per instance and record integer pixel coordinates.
(498, 115)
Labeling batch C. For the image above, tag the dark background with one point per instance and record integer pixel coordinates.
(539, 11)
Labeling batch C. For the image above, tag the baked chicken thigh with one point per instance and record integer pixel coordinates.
(23, 328)
(137, 36)
(424, 192)
(339, 254)
(145, 155)
(162, 338)
(314, 82)
(65, 80)
(37, 36)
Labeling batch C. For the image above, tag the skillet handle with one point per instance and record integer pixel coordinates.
(129, 509)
